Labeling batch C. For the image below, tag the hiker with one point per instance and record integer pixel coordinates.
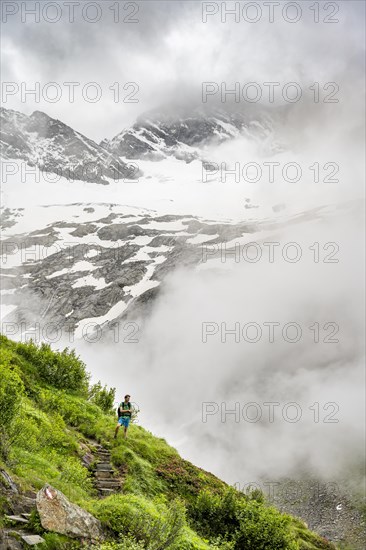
(124, 416)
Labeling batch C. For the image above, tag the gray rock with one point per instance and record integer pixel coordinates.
(58, 514)
(8, 217)
(330, 509)
(181, 133)
(10, 540)
(9, 481)
(65, 152)
(165, 240)
(83, 230)
(120, 231)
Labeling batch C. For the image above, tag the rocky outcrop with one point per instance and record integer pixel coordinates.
(82, 269)
(183, 134)
(54, 147)
(58, 514)
(332, 510)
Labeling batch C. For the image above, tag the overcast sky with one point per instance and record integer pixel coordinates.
(168, 53)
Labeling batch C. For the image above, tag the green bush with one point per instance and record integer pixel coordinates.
(259, 526)
(75, 474)
(149, 522)
(74, 410)
(246, 522)
(35, 430)
(103, 397)
(64, 369)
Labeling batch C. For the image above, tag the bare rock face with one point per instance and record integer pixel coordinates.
(58, 514)
(64, 151)
(183, 133)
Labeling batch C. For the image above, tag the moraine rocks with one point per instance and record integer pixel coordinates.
(79, 271)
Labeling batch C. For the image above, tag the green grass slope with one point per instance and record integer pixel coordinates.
(50, 419)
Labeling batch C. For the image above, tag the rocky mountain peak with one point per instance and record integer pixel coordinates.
(53, 146)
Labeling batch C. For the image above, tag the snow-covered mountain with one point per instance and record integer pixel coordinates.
(54, 147)
(185, 135)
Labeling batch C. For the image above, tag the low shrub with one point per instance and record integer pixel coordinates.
(245, 522)
(103, 397)
(62, 369)
(149, 522)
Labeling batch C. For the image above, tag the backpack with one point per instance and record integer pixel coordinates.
(120, 412)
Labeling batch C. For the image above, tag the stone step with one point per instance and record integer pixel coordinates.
(107, 483)
(100, 474)
(100, 449)
(17, 519)
(32, 540)
(104, 467)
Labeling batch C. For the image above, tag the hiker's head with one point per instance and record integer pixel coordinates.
(127, 397)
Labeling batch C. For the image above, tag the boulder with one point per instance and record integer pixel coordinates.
(60, 515)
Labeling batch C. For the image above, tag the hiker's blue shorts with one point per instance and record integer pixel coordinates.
(124, 421)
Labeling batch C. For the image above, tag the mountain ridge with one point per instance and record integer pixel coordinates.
(54, 147)
(184, 134)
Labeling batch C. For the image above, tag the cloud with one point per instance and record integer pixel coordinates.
(168, 53)
(172, 373)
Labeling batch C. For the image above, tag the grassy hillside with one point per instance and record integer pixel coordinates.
(50, 419)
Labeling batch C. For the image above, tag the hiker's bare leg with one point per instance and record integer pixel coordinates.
(125, 432)
(116, 430)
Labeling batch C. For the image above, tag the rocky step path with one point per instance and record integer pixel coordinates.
(18, 537)
(105, 478)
